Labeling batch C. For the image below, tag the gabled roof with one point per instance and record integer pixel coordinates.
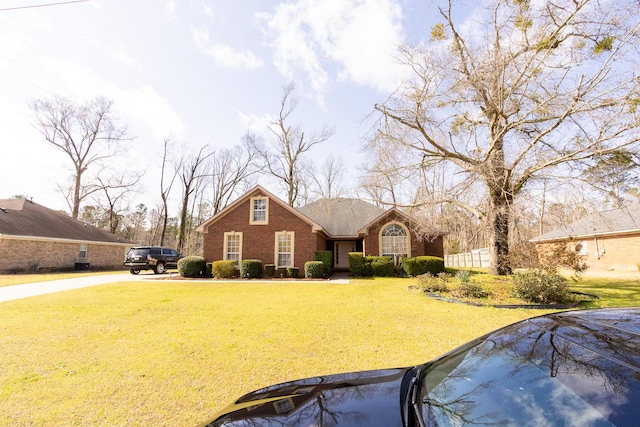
(342, 217)
(257, 190)
(613, 222)
(25, 219)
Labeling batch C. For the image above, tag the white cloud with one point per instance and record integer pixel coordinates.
(359, 37)
(225, 55)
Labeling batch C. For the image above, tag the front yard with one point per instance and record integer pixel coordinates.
(173, 353)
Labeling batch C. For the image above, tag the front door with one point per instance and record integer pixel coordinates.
(341, 251)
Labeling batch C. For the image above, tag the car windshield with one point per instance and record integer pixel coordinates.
(531, 377)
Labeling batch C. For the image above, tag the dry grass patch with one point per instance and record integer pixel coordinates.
(173, 353)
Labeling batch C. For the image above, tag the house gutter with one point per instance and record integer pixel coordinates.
(585, 236)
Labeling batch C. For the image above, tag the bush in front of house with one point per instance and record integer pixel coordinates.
(381, 266)
(223, 269)
(416, 266)
(470, 289)
(327, 260)
(269, 269)
(359, 266)
(314, 269)
(293, 272)
(250, 268)
(540, 287)
(192, 266)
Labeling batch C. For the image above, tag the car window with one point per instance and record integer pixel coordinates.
(137, 253)
(155, 251)
(530, 380)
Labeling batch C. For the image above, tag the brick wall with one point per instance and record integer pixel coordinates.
(419, 246)
(19, 255)
(258, 241)
(618, 253)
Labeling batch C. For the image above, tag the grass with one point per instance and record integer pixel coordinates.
(174, 353)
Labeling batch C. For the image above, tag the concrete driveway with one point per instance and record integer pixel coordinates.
(8, 293)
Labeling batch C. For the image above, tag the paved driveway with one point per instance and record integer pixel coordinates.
(8, 293)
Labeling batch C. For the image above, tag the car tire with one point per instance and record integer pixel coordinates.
(134, 271)
(159, 268)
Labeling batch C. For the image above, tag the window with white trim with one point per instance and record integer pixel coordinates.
(284, 249)
(394, 241)
(259, 210)
(233, 247)
(83, 251)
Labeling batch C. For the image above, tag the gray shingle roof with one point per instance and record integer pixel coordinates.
(341, 217)
(23, 218)
(615, 221)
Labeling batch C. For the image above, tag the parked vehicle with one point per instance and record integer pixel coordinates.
(156, 258)
(578, 368)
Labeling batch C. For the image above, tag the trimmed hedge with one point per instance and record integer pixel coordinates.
(270, 269)
(314, 269)
(416, 266)
(223, 269)
(192, 266)
(250, 268)
(359, 266)
(381, 266)
(327, 259)
(293, 272)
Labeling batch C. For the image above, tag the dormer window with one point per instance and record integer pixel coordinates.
(259, 211)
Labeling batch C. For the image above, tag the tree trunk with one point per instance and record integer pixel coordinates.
(499, 237)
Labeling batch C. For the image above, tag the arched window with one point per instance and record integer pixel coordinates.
(394, 241)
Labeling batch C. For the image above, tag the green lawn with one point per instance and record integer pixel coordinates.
(173, 353)
(19, 279)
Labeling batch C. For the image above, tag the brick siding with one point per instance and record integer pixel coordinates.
(618, 253)
(25, 255)
(258, 241)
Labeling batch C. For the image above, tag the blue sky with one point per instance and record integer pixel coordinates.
(201, 72)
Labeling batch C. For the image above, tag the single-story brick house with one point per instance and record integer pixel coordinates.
(35, 238)
(258, 225)
(607, 240)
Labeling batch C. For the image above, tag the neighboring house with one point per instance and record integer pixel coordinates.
(607, 240)
(34, 238)
(260, 226)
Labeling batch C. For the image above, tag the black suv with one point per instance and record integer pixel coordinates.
(156, 258)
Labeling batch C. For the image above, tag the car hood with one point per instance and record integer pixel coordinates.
(370, 398)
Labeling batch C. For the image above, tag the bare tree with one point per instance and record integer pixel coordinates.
(167, 179)
(232, 170)
(88, 134)
(191, 170)
(113, 195)
(524, 90)
(329, 180)
(284, 155)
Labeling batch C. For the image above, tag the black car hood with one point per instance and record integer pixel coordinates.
(370, 398)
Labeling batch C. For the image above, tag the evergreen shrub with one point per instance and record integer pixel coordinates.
(416, 266)
(327, 260)
(381, 266)
(359, 266)
(270, 269)
(192, 266)
(250, 268)
(223, 269)
(314, 269)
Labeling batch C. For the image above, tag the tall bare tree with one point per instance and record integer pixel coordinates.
(521, 90)
(112, 197)
(87, 133)
(232, 171)
(167, 179)
(283, 156)
(191, 170)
